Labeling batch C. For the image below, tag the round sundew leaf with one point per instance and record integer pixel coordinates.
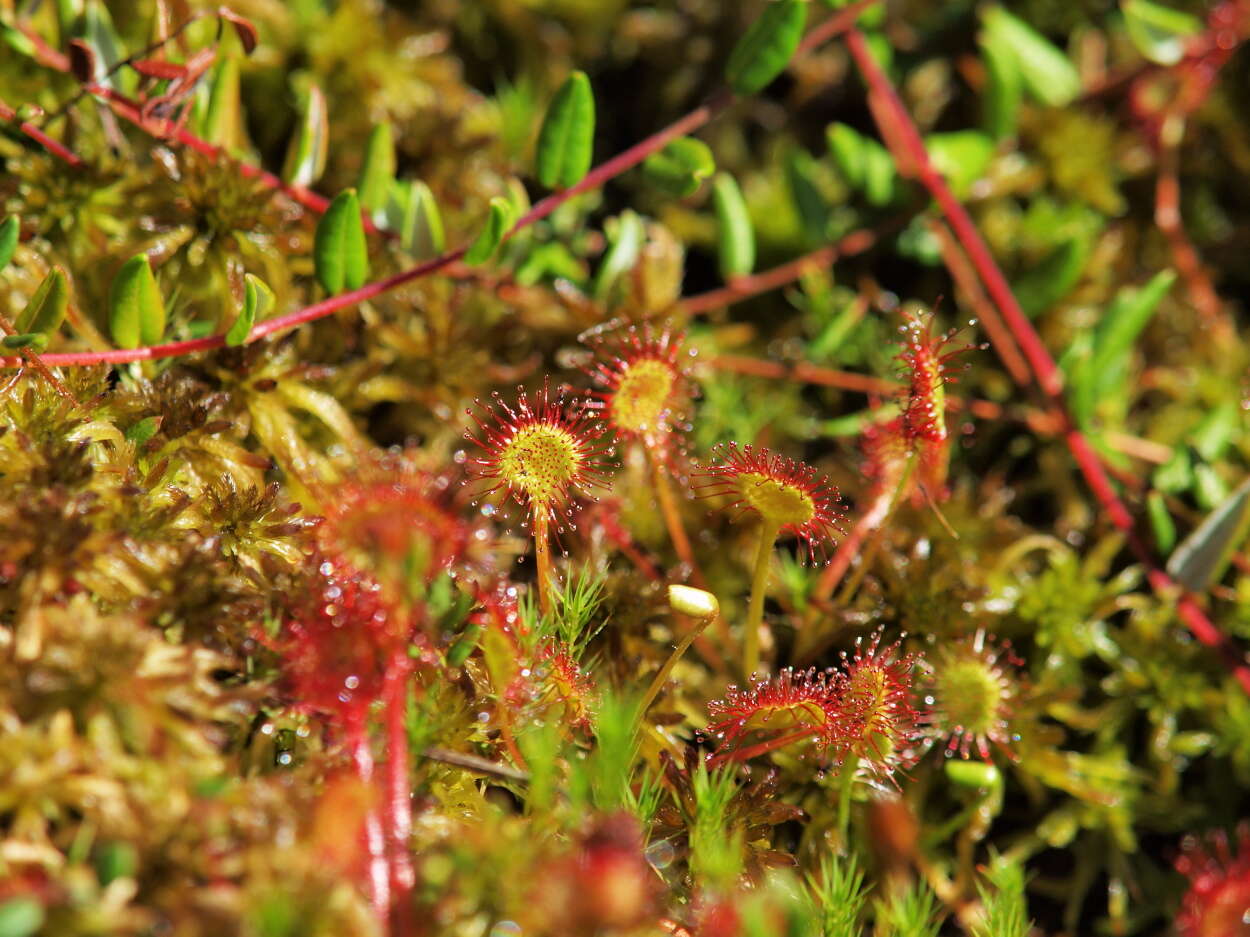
(258, 299)
(488, 240)
(767, 47)
(10, 228)
(566, 140)
(136, 310)
(340, 253)
(735, 235)
(680, 168)
(377, 170)
(46, 308)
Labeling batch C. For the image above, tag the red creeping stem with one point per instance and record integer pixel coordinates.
(617, 165)
(52, 146)
(901, 135)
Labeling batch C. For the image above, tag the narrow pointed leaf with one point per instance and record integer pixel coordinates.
(218, 120)
(680, 168)
(1203, 556)
(306, 156)
(846, 146)
(10, 228)
(735, 235)
(136, 310)
(1159, 32)
(487, 242)
(377, 172)
(767, 47)
(1044, 69)
(566, 140)
(340, 253)
(258, 300)
(46, 308)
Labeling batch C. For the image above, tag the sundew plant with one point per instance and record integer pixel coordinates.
(506, 468)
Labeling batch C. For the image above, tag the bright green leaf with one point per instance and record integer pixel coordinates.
(47, 307)
(809, 201)
(1159, 32)
(1045, 70)
(846, 146)
(377, 171)
(136, 310)
(20, 917)
(219, 118)
(767, 47)
(625, 240)
(735, 235)
(1004, 90)
(680, 168)
(258, 299)
(1161, 522)
(566, 141)
(144, 430)
(10, 229)
(487, 242)
(340, 253)
(962, 156)
(1203, 556)
(413, 212)
(35, 341)
(306, 155)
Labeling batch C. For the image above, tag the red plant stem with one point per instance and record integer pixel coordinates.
(54, 147)
(760, 748)
(29, 355)
(615, 166)
(375, 839)
(399, 791)
(745, 287)
(899, 131)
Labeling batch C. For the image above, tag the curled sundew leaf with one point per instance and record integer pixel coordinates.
(258, 299)
(340, 254)
(377, 170)
(306, 156)
(136, 310)
(10, 228)
(95, 28)
(1203, 556)
(680, 168)
(46, 308)
(735, 236)
(1044, 69)
(1159, 32)
(488, 240)
(566, 140)
(243, 28)
(767, 47)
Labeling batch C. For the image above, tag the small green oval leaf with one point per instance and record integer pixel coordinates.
(735, 235)
(10, 229)
(680, 168)
(1203, 556)
(258, 299)
(767, 47)
(487, 242)
(340, 253)
(1161, 523)
(306, 155)
(377, 171)
(962, 156)
(136, 310)
(20, 917)
(1159, 32)
(35, 341)
(46, 308)
(846, 146)
(566, 140)
(1044, 69)
(974, 774)
(805, 192)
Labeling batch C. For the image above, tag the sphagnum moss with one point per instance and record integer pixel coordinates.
(267, 668)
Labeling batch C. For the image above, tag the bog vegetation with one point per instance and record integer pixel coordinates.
(518, 468)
